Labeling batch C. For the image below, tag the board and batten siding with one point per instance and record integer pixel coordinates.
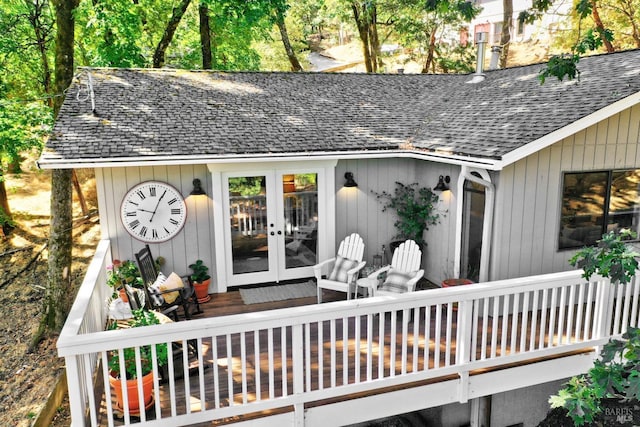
(195, 240)
(529, 192)
(359, 211)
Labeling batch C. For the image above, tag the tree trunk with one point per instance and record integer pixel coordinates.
(600, 26)
(42, 33)
(293, 59)
(374, 41)
(363, 32)
(205, 37)
(505, 37)
(58, 295)
(5, 211)
(429, 63)
(169, 31)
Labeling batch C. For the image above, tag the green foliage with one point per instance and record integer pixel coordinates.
(615, 375)
(415, 208)
(123, 272)
(22, 127)
(200, 272)
(140, 318)
(612, 257)
(5, 220)
(561, 66)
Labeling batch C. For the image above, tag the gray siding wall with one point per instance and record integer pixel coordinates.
(195, 241)
(358, 210)
(529, 194)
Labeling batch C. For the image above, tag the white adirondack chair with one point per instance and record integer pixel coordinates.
(341, 271)
(403, 273)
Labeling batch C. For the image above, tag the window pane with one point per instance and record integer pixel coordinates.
(582, 216)
(624, 202)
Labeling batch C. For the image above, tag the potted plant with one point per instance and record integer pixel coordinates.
(415, 208)
(140, 318)
(201, 280)
(122, 273)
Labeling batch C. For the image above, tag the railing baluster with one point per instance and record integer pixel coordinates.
(513, 343)
(283, 355)
(332, 329)
(381, 328)
(494, 326)
(320, 355)
(571, 306)
(272, 394)
(427, 335)
(534, 319)
(345, 350)
(257, 362)
(552, 320)
(216, 382)
(307, 355)
(525, 322)
(243, 366)
(505, 325)
(437, 337)
(228, 352)
(485, 330)
(580, 312)
(392, 344)
(369, 347)
(561, 314)
(357, 342)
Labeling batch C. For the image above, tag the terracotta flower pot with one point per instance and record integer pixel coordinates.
(123, 295)
(202, 291)
(132, 393)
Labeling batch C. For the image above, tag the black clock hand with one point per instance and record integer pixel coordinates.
(157, 204)
(144, 210)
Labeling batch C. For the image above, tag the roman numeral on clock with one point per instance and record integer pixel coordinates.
(141, 195)
(152, 191)
(176, 211)
(143, 231)
(134, 224)
(154, 233)
(172, 201)
(134, 213)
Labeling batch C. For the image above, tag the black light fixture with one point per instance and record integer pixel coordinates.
(197, 188)
(348, 176)
(443, 183)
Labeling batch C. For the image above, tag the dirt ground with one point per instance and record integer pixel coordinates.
(28, 375)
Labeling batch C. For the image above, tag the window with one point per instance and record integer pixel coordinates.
(594, 203)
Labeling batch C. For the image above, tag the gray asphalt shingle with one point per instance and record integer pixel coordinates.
(149, 113)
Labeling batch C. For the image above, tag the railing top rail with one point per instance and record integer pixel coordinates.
(301, 315)
(71, 328)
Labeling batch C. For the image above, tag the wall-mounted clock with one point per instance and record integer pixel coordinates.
(153, 211)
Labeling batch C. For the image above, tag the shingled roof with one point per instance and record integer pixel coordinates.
(164, 115)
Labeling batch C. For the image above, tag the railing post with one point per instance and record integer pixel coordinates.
(297, 352)
(463, 346)
(75, 389)
(604, 304)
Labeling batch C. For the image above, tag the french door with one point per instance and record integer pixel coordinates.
(272, 219)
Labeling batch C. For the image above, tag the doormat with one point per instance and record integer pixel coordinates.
(278, 293)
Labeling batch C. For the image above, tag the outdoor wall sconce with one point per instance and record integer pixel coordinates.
(197, 188)
(349, 182)
(443, 183)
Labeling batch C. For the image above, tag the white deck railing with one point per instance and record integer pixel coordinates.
(287, 358)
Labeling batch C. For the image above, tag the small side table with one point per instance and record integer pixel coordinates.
(370, 284)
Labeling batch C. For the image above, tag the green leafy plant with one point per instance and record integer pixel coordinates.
(615, 375)
(123, 272)
(140, 318)
(200, 272)
(612, 257)
(415, 208)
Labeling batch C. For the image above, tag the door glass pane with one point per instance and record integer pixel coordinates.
(300, 192)
(248, 224)
(472, 225)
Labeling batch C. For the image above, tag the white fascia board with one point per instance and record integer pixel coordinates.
(571, 129)
(244, 158)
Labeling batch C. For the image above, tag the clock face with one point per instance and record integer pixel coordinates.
(153, 211)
